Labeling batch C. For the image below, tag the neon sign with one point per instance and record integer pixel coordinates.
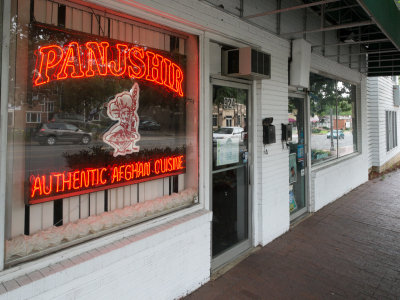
(58, 185)
(104, 59)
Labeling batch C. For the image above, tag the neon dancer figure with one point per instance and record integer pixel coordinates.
(124, 135)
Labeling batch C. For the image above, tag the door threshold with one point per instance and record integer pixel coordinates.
(300, 219)
(216, 273)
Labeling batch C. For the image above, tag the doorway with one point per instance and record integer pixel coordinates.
(230, 195)
(297, 156)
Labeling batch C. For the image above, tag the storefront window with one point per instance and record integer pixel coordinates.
(104, 131)
(333, 118)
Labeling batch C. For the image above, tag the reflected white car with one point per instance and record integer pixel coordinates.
(228, 133)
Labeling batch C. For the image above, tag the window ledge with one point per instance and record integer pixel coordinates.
(34, 270)
(391, 150)
(331, 163)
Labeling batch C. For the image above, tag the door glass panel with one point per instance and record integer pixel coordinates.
(229, 209)
(229, 175)
(297, 156)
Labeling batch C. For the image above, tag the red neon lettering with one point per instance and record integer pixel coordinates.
(103, 181)
(58, 175)
(157, 167)
(56, 63)
(47, 59)
(97, 176)
(84, 179)
(96, 57)
(72, 66)
(170, 164)
(37, 186)
(154, 67)
(119, 69)
(120, 172)
(136, 58)
(48, 192)
(92, 171)
(128, 173)
(168, 74)
(178, 79)
(147, 169)
(140, 170)
(75, 180)
(180, 163)
(43, 186)
(114, 175)
(66, 181)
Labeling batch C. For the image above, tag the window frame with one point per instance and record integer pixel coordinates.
(356, 125)
(38, 113)
(391, 129)
(166, 215)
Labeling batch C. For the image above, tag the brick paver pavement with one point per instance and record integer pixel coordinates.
(350, 249)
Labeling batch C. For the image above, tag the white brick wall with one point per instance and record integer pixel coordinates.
(165, 262)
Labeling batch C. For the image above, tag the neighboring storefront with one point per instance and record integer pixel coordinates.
(143, 153)
(384, 100)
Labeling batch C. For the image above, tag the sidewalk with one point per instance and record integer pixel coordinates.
(350, 249)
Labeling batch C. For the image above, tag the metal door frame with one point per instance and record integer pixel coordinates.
(230, 254)
(307, 170)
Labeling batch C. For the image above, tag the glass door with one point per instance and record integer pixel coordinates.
(230, 168)
(297, 157)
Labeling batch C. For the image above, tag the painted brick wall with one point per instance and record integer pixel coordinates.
(165, 262)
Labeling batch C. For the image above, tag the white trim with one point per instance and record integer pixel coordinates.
(333, 162)
(4, 121)
(227, 256)
(307, 140)
(253, 166)
(33, 112)
(205, 129)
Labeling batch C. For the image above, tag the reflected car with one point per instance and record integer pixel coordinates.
(52, 133)
(69, 118)
(336, 134)
(228, 132)
(149, 125)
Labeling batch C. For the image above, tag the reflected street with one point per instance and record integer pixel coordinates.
(40, 157)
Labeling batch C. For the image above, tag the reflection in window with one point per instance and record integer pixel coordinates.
(33, 117)
(333, 118)
(228, 120)
(215, 120)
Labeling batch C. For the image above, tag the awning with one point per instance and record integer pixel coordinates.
(386, 16)
(368, 31)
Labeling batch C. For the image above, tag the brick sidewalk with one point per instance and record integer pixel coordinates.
(350, 249)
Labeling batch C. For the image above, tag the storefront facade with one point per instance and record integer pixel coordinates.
(134, 162)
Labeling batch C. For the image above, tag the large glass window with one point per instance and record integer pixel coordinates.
(104, 132)
(333, 118)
